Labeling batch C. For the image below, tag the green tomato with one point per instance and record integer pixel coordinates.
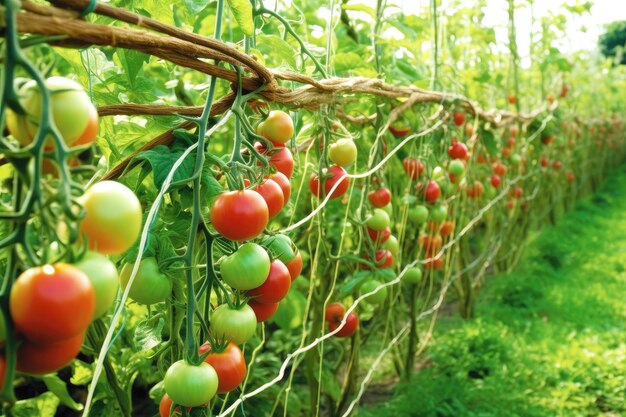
(150, 286)
(456, 168)
(234, 325)
(379, 220)
(104, 278)
(377, 298)
(247, 268)
(388, 209)
(392, 245)
(189, 385)
(438, 174)
(515, 159)
(413, 276)
(280, 247)
(418, 214)
(343, 152)
(490, 192)
(439, 213)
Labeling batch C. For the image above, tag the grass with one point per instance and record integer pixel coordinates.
(549, 338)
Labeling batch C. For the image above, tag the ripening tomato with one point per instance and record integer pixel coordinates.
(246, 268)
(510, 142)
(432, 192)
(343, 152)
(113, 217)
(459, 118)
(235, 325)
(51, 303)
(413, 168)
(350, 327)
(495, 181)
(457, 150)
(380, 198)
(506, 152)
(190, 385)
(44, 358)
(149, 286)
(379, 236)
(384, 258)
(513, 130)
(263, 312)
(469, 129)
(73, 113)
(333, 175)
(276, 285)
(277, 127)
(273, 196)
(239, 215)
(564, 90)
(447, 228)
(230, 366)
(512, 99)
(104, 279)
(295, 266)
(283, 182)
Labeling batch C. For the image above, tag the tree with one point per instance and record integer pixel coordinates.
(613, 41)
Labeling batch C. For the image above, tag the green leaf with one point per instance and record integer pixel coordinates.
(148, 333)
(82, 373)
(43, 406)
(162, 159)
(242, 11)
(360, 8)
(276, 46)
(353, 283)
(196, 6)
(132, 62)
(489, 141)
(348, 61)
(58, 388)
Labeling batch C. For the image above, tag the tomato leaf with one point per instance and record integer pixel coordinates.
(489, 141)
(351, 284)
(290, 311)
(196, 6)
(132, 62)
(82, 373)
(43, 406)
(58, 388)
(148, 332)
(278, 47)
(242, 11)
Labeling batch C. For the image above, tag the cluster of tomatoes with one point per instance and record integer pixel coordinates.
(341, 153)
(259, 272)
(52, 306)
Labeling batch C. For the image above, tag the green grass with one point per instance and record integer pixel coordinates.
(549, 338)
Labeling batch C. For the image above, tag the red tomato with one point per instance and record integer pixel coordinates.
(557, 165)
(273, 196)
(544, 161)
(51, 303)
(380, 198)
(512, 99)
(434, 263)
(510, 204)
(239, 215)
(334, 312)
(384, 258)
(506, 152)
(432, 192)
(430, 243)
(379, 236)
(335, 174)
(413, 168)
(495, 181)
(569, 175)
(457, 150)
(263, 312)
(469, 129)
(43, 358)
(518, 192)
(399, 131)
(447, 228)
(351, 326)
(166, 405)
(230, 366)
(283, 182)
(283, 161)
(295, 266)
(498, 169)
(459, 118)
(547, 140)
(275, 287)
